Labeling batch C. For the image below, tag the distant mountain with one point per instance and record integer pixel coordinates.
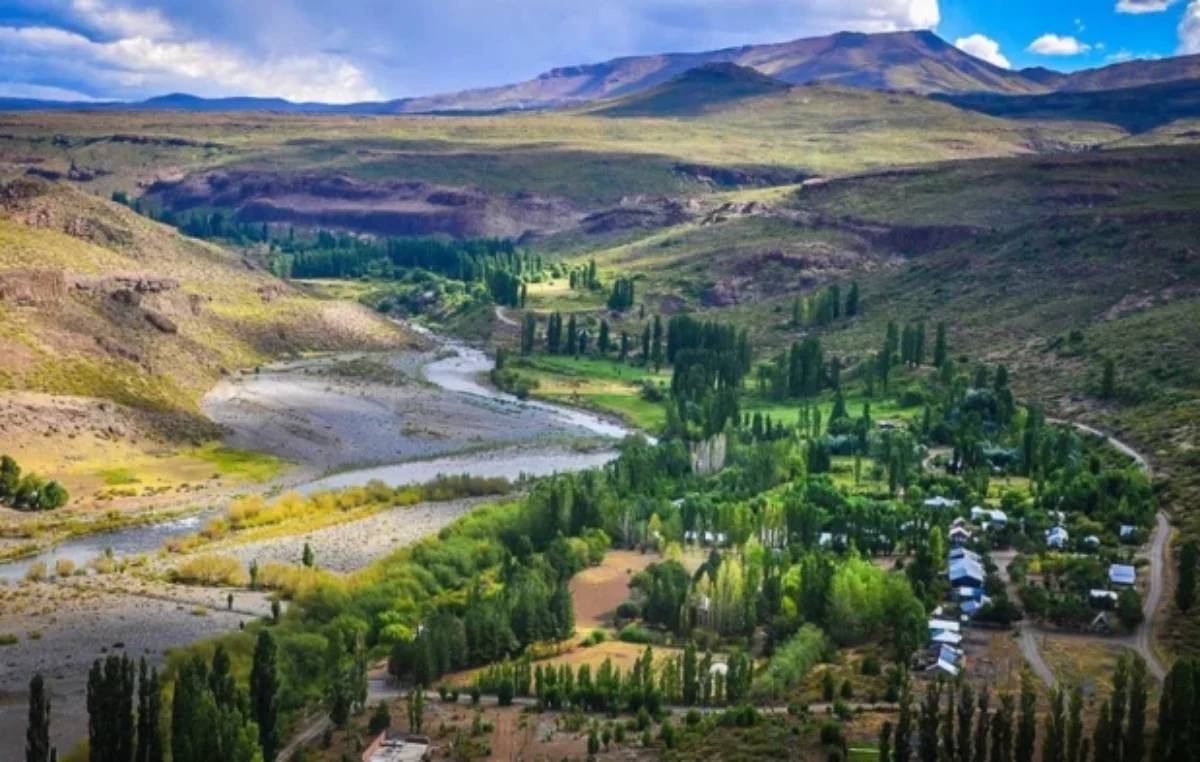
(696, 91)
(916, 62)
(1136, 109)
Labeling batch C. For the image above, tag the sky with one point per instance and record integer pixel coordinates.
(340, 51)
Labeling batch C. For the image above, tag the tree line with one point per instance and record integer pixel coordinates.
(28, 491)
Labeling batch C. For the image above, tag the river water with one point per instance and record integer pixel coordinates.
(458, 373)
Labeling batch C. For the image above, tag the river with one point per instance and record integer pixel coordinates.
(456, 373)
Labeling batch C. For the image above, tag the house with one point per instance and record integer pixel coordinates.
(944, 625)
(966, 572)
(1128, 533)
(946, 639)
(394, 748)
(971, 608)
(1057, 538)
(999, 517)
(1092, 541)
(968, 593)
(959, 554)
(980, 514)
(1122, 574)
(941, 502)
(708, 538)
(959, 536)
(958, 522)
(1102, 599)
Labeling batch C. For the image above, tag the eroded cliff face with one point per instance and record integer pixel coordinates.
(400, 208)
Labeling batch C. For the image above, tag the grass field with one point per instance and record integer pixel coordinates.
(604, 385)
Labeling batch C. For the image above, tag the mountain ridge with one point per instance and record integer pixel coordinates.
(916, 62)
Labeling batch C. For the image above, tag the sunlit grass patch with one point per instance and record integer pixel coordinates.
(119, 476)
(247, 465)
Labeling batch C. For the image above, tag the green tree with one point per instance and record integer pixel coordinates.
(885, 731)
(1108, 380)
(1026, 736)
(1074, 730)
(416, 709)
(528, 333)
(1054, 741)
(939, 346)
(690, 684)
(151, 746)
(264, 694)
(903, 744)
(307, 557)
(928, 721)
(1002, 730)
(1185, 590)
(852, 300)
(966, 717)
(1102, 735)
(982, 726)
(37, 733)
(1134, 746)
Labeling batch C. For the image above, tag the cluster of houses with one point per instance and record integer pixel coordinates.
(944, 650)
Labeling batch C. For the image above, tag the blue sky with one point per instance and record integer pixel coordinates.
(348, 50)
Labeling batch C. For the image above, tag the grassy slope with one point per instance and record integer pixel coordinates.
(583, 157)
(88, 344)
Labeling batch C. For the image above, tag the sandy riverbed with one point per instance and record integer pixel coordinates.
(353, 410)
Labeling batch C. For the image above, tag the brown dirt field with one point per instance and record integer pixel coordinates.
(599, 590)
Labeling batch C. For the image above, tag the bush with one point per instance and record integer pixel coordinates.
(64, 567)
(847, 691)
(831, 734)
(870, 665)
(629, 609)
(211, 571)
(381, 720)
(595, 637)
(632, 633)
(36, 572)
(8, 639)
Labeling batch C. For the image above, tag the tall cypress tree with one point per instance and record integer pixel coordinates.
(1135, 733)
(903, 745)
(927, 723)
(1185, 591)
(1120, 699)
(150, 746)
(885, 742)
(948, 725)
(1002, 730)
(1102, 745)
(1027, 724)
(966, 716)
(689, 674)
(37, 735)
(1054, 742)
(982, 727)
(939, 346)
(1075, 724)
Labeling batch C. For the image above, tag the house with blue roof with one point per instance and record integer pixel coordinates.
(966, 572)
(1122, 574)
(1057, 538)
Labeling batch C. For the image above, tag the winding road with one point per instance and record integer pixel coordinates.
(1141, 641)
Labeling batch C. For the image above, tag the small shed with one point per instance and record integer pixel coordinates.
(1122, 574)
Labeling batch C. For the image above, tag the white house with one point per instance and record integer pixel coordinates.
(959, 535)
(941, 502)
(1122, 574)
(1057, 538)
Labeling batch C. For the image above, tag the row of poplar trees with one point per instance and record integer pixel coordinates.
(212, 717)
(953, 724)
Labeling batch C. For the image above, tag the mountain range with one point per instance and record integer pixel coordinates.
(915, 62)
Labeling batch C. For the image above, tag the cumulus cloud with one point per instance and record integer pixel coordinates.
(1189, 29)
(1054, 45)
(983, 48)
(362, 49)
(1144, 6)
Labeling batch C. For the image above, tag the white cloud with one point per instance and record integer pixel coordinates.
(1144, 6)
(1054, 45)
(41, 92)
(352, 49)
(983, 48)
(199, 67)
(1189, 29)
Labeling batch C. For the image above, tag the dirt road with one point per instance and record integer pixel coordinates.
(1141, 641)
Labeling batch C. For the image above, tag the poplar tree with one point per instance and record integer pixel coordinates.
(982, 727)
(1075, 725)
(903, 745)
(939, 346)
(1026, 735)
(1185, 591)
(1135, 733)
(928, 721)
(264, 694)
(885, 742)
(966, 716)
(1102, 735)
(1054, 742)
(1002, 730)
(150, 743)
(1120, 698)
(37, 734)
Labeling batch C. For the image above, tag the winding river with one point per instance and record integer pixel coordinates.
(459, 373)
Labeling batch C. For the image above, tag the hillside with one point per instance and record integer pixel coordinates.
(707, 88)
(1137, 109)
(113, 327)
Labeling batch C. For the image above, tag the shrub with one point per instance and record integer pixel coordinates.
(629, 609)
(381, 720)
(870, 665)
(632, 633)
(36, 572)
(8, 639)
(831, 734)
(595, 637)
(64, 567)
(212, 571)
